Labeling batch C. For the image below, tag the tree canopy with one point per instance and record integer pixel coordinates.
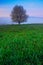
(18, 14)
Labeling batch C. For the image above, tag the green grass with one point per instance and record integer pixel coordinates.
(21, 45)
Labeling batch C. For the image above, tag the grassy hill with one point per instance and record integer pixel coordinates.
(21, 45)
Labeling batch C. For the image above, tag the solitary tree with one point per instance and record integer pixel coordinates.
(18, 14)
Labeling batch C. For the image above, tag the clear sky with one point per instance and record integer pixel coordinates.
(33, 7)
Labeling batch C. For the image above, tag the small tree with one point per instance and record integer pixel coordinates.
(18, 14)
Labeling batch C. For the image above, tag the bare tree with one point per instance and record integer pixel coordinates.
(18, 14)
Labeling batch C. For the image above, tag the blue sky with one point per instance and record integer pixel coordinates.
(33, 7)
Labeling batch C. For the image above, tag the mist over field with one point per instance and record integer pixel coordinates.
(30, 20)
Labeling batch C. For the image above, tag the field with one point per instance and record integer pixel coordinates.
(21, 45)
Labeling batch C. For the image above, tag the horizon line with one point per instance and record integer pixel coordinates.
(28, 17)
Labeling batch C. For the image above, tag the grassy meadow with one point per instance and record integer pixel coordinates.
(21, 44)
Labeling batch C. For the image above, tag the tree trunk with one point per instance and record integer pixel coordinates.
(19, 22)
